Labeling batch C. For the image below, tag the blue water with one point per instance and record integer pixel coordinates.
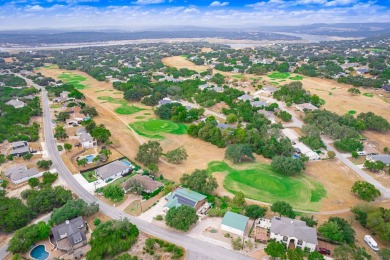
(39, 253)
(89, 158)
(296, 156)
(127, 163)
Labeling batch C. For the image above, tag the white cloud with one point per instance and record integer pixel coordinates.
(35, 8)
(217, 3)
(340, 2)
(148, 2)
(191, 10)
(309, 2)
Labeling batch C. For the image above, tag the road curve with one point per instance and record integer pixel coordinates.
(197, 249)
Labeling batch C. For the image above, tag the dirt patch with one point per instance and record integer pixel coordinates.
(337, 179)
(217, 108)
(9, 60)
(206, 50)
(181, 62)
(381, 140)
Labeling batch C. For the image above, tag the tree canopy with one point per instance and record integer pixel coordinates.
(181, 218)
(337, 229)
(24, 238)
(287, 165)
(283, 208)
(365, 190)
(149, 153)
(72, 209)
(177, 155)
(199, 180)
(236, 152)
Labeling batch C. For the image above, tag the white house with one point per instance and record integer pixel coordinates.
(113, 170)
(235, 223)
(287, 231)
(246, 97)
(16, 103)
(291, 134)
(306, 106)
(301, 148)
(86, 140)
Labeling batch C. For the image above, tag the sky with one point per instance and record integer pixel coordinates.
(149, 14)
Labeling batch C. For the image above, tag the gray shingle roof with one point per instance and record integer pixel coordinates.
(15, 103)
(148, 183)
(385, 158)
(259, 103)
(293, 228)
(86, 137)
(72, 230)
(111, 169)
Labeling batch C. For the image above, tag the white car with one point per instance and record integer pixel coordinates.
(371, 242)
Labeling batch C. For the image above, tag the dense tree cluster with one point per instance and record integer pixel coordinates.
(181, 218)
(283, 208)
(237, 152)
(365, 190)
(24, 238)
(374, 218)
(295, 93)
(287, 165)
(72, 209)
(111, 238)
(179, 113)
(149, 153)
(12, 80)
(337, 229)
(199, 180)
(177, 156)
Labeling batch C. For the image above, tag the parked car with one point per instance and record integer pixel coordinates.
(371, 242)
(323, 251)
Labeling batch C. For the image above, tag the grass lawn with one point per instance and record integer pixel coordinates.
(140, 117)
(279, 75)
(89, 176)
(258, 181)
(296, 77)
(73, 79)
(124, 109)
(352, 112)
(152, 128)
(371, 95)
(238, 76)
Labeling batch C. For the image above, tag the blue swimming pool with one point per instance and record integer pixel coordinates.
(89, 158)
(127, 163)
(39, 253)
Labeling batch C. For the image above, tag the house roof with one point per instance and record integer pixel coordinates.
(111, 169)
(226, 126)
(148, 183)
(15, 103)
(291, 134)
(19, 144)
(235, 220)
(20, 148)
(270, 89)
(386, 87)
(70, 229)
(307, 106)
(385, 158)
(15, 169)
(245, 97)
(266, 113)
(81, 130)
(183, 196)
(293, 228)
(259, 103)
(86, 137)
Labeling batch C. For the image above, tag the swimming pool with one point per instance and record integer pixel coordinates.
(127, 163)
(39, 252)
(89, 158)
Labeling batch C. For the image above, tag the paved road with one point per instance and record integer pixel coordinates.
(197, 249)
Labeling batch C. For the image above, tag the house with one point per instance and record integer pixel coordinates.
(301, 148)
(217, 89)
(64, 95)
(75, 118)
(204, 86)
(306, 106)
(16, 103)
(362, 71)
(287, 230)
(113, 170)
(235, 223)
(269, 90)
(165, 101)
(386, 88)
(269, 115)
(86, 140)
(80, 131)
(226, 126)
(259, 103)
(291, 134)
(20, 173)
(19, 148)
(385, 158)
(148, 183)
(70, 235)
(245, 97)
(183, 196)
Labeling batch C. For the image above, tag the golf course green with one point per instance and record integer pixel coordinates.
(259, 182)
(153, 128)
(73, 79)
(124, 109)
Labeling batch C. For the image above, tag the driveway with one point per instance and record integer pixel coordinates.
(153, 211)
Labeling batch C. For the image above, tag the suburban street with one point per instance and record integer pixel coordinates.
(196, 249)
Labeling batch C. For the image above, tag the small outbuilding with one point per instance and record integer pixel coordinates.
(234, 223)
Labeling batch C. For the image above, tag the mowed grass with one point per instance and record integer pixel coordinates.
(352, 112)
(73, 79)
(124, 109)
(154, 128)
(296, 77)
(279, 75)
(371, 95)
(238, 76)
(259, 182)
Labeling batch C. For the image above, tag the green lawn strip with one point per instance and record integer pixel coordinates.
(89, 176)
(185, 56)
(147, 114)
(238, 76)
(153, 128)
(371, 95)
(352, 112)
(279, 75)
(274, 82)
(322, 102)
(98, 91)
(258, 181)
(296, 77)
(140, 117)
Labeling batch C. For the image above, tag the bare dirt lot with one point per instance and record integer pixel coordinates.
(180, 62)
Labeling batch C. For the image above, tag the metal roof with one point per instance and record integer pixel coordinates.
(235, 220)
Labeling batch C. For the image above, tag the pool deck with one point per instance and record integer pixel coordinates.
(53, 254)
